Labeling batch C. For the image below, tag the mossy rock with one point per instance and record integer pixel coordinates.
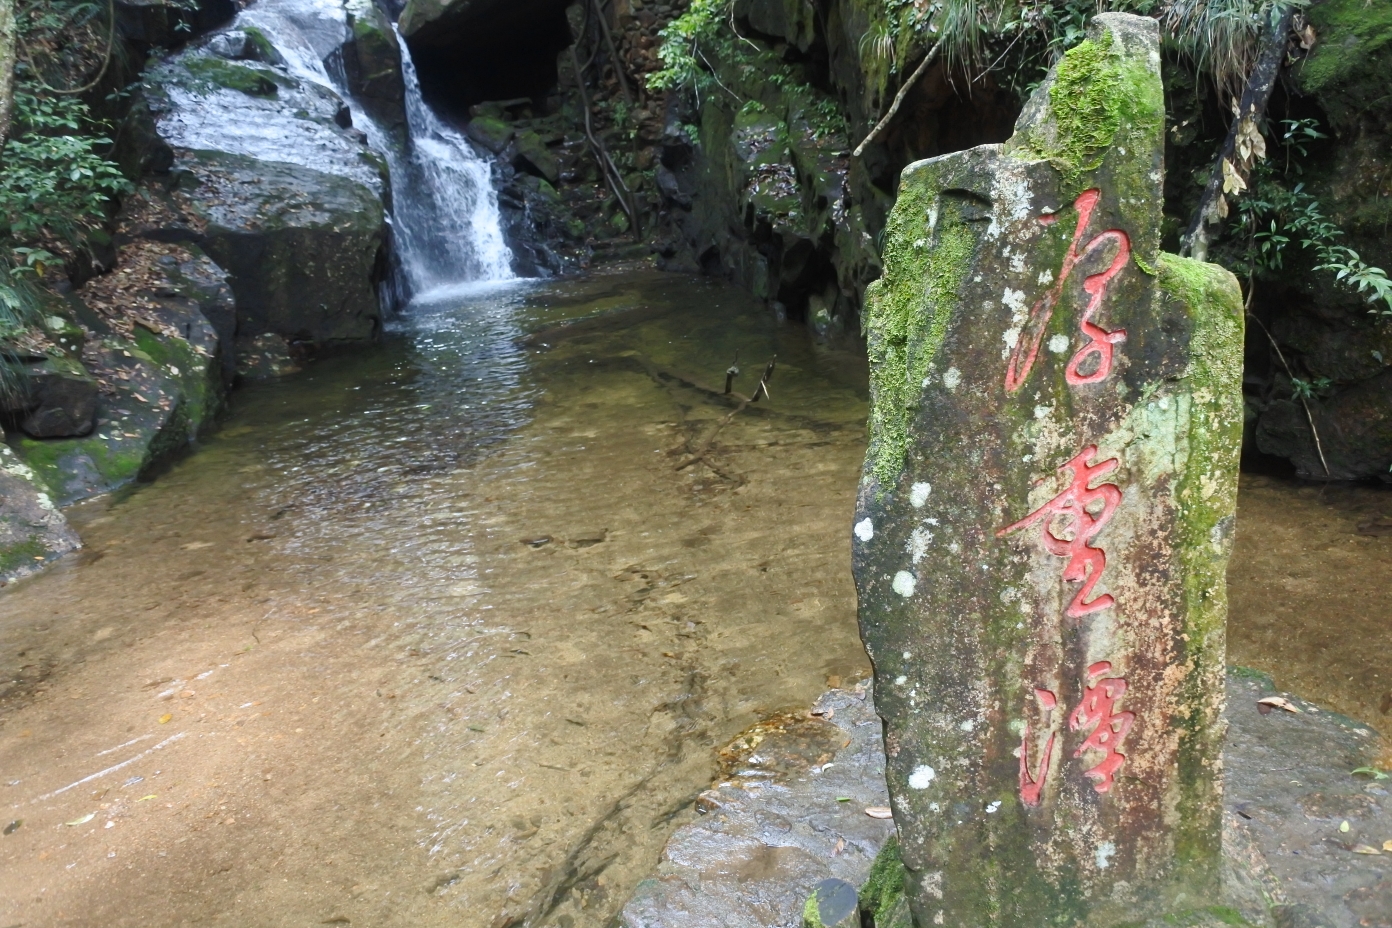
(256, 82)
(490, 132)
(372, 62)
(33, 533)
(535, 158)
(260, 48)
(1348, 68)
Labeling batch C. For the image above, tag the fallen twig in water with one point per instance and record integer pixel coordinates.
(699, 454)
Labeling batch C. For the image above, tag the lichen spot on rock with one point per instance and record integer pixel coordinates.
(922, 776)
(865, 529)
(1105, 851)
(904, 583)
(918, 495)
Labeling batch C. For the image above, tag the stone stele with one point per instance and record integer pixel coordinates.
(1046, 514)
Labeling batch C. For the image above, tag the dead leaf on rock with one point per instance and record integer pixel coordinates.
(879, 812)
(1365, 849)
(1267, 703)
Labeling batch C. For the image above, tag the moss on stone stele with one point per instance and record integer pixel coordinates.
(906, 316)
(1097, 93)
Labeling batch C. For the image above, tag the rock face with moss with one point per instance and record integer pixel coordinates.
(33, 532)
(1046, 513)
(1326, 330)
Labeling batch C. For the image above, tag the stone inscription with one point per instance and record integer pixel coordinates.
(1100, 341)
(1071, 521)
(1109, 727)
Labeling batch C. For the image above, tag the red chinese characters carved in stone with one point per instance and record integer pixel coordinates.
(1109, 727)
(1100, 341)
(1083, 510)
(1031, 787)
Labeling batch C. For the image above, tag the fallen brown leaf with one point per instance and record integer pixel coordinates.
(1276, 702)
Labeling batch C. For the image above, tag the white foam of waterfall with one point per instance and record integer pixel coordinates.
(448, 223)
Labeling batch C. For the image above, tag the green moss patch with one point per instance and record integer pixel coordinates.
(884, 887)
(907, 314)
(1097, 93)
(251, 81)
(1353, 34)
(20, 555)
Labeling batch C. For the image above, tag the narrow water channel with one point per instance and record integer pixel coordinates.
(448, 633)
(442, 634)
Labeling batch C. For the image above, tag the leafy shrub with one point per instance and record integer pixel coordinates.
(55, 183)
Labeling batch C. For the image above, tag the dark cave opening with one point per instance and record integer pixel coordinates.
(493, 50)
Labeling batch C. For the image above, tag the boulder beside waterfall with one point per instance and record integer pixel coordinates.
(260, 166)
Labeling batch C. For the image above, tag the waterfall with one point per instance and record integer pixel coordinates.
(446, 210)
(444, 214)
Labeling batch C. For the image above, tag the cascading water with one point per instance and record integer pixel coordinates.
(444, 208)
(447, 221)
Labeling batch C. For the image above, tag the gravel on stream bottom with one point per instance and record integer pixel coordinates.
(1308, 842)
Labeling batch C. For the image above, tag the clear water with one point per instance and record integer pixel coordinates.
(445, 633)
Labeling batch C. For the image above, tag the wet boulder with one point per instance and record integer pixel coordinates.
(33, 532)
(372, 63)
(261, 174)
(304, 249)
(60, 398)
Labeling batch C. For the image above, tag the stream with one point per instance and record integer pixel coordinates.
(447, 633)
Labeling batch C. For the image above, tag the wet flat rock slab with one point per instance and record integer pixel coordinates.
(766, 839)
(1324, 833)
(776, 827)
